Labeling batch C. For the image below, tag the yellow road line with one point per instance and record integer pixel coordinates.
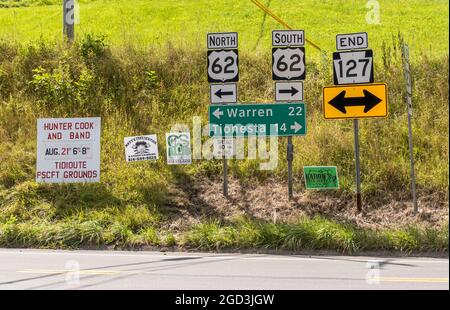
(55, 271)
(266, 9)
(412, 280)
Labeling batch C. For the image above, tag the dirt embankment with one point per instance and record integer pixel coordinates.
(202, 198)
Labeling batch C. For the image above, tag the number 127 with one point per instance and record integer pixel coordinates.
(351, 66)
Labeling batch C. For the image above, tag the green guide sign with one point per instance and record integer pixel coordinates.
(269, 119)
(321, 177)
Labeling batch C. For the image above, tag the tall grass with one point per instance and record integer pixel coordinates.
(313, 234)
(139, 91)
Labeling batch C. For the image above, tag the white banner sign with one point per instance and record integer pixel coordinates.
(68, 150)
(178, 148)
(141, 148)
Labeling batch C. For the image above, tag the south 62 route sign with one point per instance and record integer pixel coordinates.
(288, 63)
(223, 66)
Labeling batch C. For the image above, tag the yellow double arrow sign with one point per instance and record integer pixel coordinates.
(355, 101)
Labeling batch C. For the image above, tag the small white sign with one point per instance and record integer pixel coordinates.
(178, 148)
(141, 148)
(352, 41)
(288, 63)
(288, 38)
(289, 91)
(223, 147)
(222, 40)
(223, 93)
(68, 150)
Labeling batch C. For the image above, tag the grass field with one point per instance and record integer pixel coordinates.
(424, 24)
(139, 83)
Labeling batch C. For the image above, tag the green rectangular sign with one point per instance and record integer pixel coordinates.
(270, 119)
(321, 177)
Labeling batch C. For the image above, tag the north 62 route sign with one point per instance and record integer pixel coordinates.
(223, 66)
(288, 63)
(354, 67)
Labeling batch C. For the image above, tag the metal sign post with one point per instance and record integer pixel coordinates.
(223, 69)
(225, 171)
(407, 74)
(289, 66)
(290, 158)
(69, 20)
(358, 169)
(354, 95)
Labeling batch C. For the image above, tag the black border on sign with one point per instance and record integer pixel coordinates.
(353, 33)
(211, 80)
(289, 82)
(369, 53)
(220, 48)
(374, 84)
(297, 78)
(303, 31)
(223, 103)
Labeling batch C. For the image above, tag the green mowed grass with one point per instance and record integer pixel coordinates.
(424, 24)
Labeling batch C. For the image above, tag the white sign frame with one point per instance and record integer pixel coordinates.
(68, 150)
(358, 62)
(230, 35)
(141, 148)
(224, 90)
(293, 56)
(346, 36)
(280, 86)
(221, 59)
(288, 32)
(221, 145)
(181, 159)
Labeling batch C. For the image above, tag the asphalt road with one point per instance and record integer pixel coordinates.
(46, 269)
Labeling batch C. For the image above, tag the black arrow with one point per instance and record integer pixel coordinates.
(221, 93)
(368, 101)
(291, 91)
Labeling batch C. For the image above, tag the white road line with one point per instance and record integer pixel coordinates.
(332, 259)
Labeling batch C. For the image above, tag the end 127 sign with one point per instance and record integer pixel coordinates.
(354, 67)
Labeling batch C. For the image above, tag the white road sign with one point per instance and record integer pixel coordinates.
(355, 67)
(352, 41)
(222, 40)
(288, 38)
(178, 148)
(223, 146)
(223, 66)
(68, 150)
(141, 148)
(289, 91)
(223, 93)
(288, 63)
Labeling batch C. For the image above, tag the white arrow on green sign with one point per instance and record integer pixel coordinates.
(273, 119)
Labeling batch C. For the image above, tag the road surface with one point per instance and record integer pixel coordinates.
(48, 269)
